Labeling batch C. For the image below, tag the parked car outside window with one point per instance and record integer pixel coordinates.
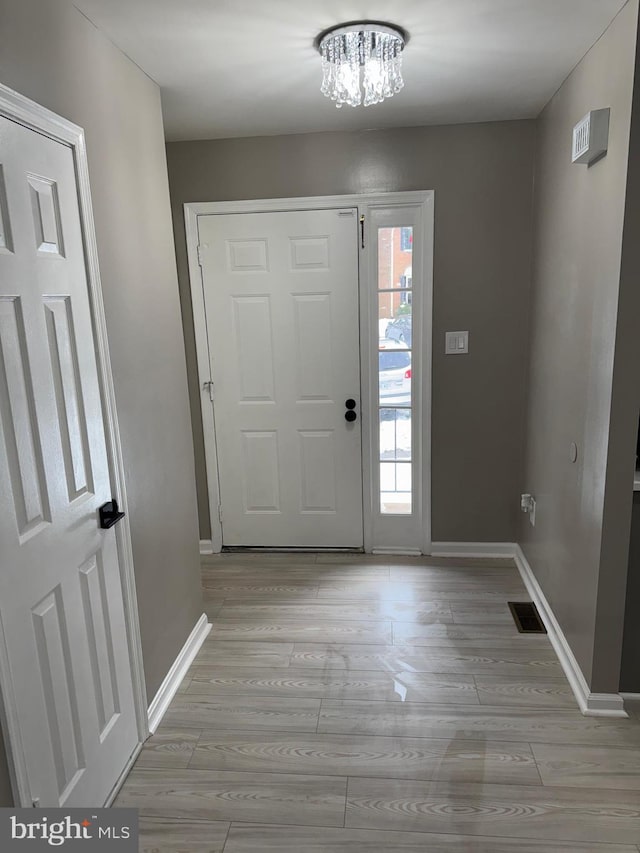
(400, 330)
(394, 372)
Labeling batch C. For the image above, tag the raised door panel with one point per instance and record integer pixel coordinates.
(252, 328)
(99, 631)
(20, 429)
(58, 689)
(314, 346)
(260, 472)
(45, 207)
(6, 241)
(309, 253)
(69, 398)
(317, 471)
(247, 256)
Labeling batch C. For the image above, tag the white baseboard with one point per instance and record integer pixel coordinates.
(499, 550)
(181, 664)
(591, 704)
(206, 547)
(631, 699)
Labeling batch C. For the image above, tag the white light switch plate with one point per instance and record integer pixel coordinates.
(456, 343)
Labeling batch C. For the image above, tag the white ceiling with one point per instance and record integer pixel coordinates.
(248, 67)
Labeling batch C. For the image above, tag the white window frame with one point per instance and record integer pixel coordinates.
(393, 533)
(422, 204)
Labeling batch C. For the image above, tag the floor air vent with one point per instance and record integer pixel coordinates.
(526, 617)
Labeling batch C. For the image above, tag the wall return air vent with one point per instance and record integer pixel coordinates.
(591, 137)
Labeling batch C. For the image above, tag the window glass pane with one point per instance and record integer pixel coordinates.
(395, 298)
(395, 488)
(394, 374)
(395, 434)
(395, 252)
(394, 359)
(394, 316)
(406, 239)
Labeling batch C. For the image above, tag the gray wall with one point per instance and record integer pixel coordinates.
(579, 218)
(51, 53)
(625, 414)
(482, 178)
(6, 796)
(630, 674)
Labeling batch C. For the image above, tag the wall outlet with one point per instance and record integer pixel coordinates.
(528, 505)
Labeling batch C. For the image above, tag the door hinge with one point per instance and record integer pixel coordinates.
(200, 254)
(362, 221)
(220, 513)
(208, 386)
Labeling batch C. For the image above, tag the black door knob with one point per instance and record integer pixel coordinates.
(109, 514)
(350, 403)
(350, 416)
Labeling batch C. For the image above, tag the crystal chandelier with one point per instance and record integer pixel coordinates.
(361, 62)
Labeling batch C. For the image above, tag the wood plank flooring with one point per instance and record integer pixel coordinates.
(361, 704)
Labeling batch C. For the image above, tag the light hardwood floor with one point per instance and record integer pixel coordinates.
(368, 705)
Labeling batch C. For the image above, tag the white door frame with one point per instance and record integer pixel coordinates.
(23, 111)
(364, 203)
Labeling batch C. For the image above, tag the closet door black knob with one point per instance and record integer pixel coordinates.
(350, 403)
(109, 514)
(350, 416)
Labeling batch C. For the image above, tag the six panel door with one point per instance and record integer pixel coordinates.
(281, 298)
(61, 604)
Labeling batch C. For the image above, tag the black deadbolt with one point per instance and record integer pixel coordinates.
(350, 416)
(350, 404)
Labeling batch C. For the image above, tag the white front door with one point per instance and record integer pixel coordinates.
(61, 604)
(281, 300)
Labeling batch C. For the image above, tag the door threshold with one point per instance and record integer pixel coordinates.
(256, 549)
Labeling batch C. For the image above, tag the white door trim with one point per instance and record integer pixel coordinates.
(31, 115)
(363, 202)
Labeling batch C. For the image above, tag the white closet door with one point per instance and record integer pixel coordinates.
(61, 602)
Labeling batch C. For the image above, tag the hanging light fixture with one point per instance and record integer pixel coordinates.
(361, 62)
